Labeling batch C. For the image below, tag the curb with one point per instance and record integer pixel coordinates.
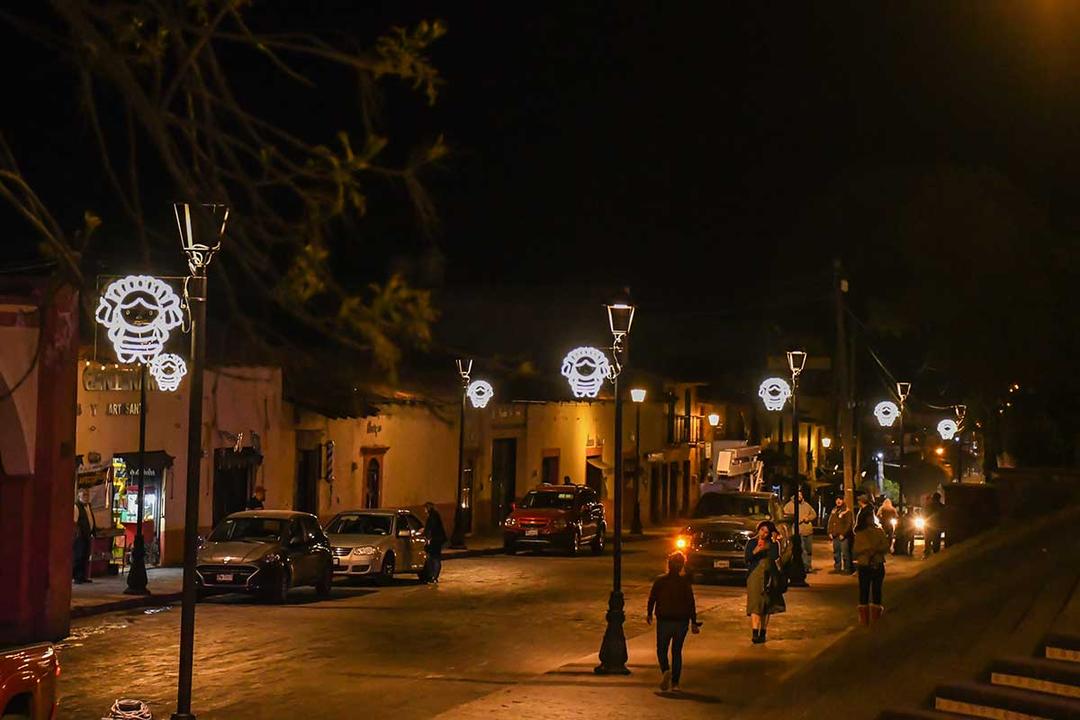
(81, 611)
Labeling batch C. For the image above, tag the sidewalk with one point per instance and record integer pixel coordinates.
(106, 594)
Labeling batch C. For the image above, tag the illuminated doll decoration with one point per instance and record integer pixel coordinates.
(947, 429)
(479, 393)
(886, 413)
(168, 369)
(586, 369)
(139, 311)
(774, 392)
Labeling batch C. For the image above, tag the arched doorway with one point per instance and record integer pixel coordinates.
(372, 482)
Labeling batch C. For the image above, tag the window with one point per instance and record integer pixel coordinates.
(359, 524)
(414, 523)
(248, 528)
(372, 483)
(312, 531)
(559, 500)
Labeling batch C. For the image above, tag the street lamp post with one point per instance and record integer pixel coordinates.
(638, 396)
(903, 389)
(136, 579)
(796, 362)
(478, 393)
(613, 653)
(201, 230)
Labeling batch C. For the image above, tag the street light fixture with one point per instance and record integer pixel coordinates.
(201, 228)
(714, 420)
(826, 442)
(479, 393)
(613, 653)
(638, 396)
(796, 362)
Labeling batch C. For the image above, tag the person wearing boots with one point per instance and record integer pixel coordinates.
(870, 547)
(763, 594)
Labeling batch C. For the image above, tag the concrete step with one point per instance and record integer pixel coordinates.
(1065, 647)
(1054, 677)
(1003, 703)
(920, 715)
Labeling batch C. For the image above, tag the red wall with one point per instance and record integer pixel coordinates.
(36, 510)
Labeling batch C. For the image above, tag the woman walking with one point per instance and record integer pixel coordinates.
(672, 597)
(871, 546)
(764, 596)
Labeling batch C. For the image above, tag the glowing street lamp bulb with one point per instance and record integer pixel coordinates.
(637, 395)
(939, 451)
(586, 369)
(826, 442)
(139, 311)
(168, 369)
(774, 392)
(714, 419)
(886, 413)
(947, 429)
(480, 393)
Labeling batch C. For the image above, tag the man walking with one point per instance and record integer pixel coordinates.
(672, 598)
(85, 529)
(935, 516)
(807, 516)
(839, 528)
(436, 538)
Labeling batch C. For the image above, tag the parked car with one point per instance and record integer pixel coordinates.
(265, 552)
(377, 544)
(723, 522)
(28, 682)
(556, 516)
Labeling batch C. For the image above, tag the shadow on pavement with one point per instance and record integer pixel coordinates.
(690, 696)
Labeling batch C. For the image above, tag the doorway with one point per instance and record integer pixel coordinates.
(308, 468)
(654, 495)
(594, 475)
(686, 487)
(372, 483)
(468, 474)
(503, 471)
(232, 486)
(549, 469)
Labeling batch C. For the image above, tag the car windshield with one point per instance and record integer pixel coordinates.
(360, 524)
(558, 500)
(721, 504)
(254, 529)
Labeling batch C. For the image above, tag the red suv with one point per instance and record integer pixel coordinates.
(556, 516)
(28, 682)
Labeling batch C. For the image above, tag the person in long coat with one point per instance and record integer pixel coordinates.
(435, 534)
(764, 596)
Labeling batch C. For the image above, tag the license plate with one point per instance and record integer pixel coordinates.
(337, 562)
(721, 564)
(532, 533)
(224, 577)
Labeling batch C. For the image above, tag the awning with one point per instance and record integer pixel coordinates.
(156, 462)
(227, 458)
(598, 463)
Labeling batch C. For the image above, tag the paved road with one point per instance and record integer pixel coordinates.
(407, 650)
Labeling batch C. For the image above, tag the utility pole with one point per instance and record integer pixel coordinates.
(843, 387)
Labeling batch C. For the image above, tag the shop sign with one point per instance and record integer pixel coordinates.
(122, 408)
(120, 378)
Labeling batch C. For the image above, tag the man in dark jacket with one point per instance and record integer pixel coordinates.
(85, 529)
(672, 597)
(255, 502)
(935, 525)
(436, 538)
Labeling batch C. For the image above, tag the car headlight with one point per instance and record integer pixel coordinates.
(920, 523)
(365, 550)
(892, 521)
(682, 542)
(558, 524)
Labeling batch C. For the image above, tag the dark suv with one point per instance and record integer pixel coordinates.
(715, 540)
(556, 516)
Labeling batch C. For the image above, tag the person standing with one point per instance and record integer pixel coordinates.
(839, 528)
(435, 534)
(672, 597)
(764, 596)
(889, 518)
(85, 530)
(935, 525)
(807, 516)
(258, 497)
(871, 546)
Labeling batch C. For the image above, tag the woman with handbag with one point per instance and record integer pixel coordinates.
(871, 546)
(764, 585)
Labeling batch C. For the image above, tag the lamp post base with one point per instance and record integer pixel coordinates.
(136, 579)
(613, 653)
(182, 716)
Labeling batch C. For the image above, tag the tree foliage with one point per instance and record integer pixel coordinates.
(161, 87)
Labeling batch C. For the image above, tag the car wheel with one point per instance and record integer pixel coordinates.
(597, 544)
(322, 588)
(575, 545)
(280, 591)
(386, 574)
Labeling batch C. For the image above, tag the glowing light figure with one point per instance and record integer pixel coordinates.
(586, 369)
(774, 392)
(479, 393)
(886, 413)
(947, 429)
(168, 369)
(139, 311)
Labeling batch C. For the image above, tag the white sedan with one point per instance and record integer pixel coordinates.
(377, 544)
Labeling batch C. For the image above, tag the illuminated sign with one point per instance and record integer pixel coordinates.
(586, 369)
(774, 392)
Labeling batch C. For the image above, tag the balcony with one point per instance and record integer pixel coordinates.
(683, 430)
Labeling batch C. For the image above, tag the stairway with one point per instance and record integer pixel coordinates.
(1045, 687)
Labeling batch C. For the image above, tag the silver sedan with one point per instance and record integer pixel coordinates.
(377, 544)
